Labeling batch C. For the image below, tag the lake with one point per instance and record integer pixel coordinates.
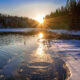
(29, 57)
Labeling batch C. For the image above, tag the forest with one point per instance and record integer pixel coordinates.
(66, 17)
(7, 21)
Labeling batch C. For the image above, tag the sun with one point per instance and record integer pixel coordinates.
(39, 19)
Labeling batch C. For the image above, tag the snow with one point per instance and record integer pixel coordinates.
(16, 29)
(30, 29)
(69, 51)
(66, 31)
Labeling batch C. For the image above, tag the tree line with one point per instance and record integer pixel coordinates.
(7, 21)
(72, 11)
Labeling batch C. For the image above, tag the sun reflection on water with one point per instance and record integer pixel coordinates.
(41, 35)
(40, 50)
(40, 55)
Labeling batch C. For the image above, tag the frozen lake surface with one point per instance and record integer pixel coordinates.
(31, 58)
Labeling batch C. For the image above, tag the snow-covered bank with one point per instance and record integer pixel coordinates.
(17, 29)
(30, 29)
(66, 32)
(69, 51)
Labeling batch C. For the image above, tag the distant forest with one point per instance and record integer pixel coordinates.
(66, 17)
(7, 21)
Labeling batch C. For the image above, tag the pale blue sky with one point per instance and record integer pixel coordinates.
(29, 8)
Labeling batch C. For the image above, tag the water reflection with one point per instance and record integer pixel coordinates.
(42, 66)
(32, 62)
(41, 55)
(40, 51)
(41, 35)
(41, 58)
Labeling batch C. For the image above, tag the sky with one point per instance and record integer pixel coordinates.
(29, 8)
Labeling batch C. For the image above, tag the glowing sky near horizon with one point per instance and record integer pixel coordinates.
(29, 8)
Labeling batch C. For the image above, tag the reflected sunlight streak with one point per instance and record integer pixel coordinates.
(40, 50)
(39, 55)
(41, 35)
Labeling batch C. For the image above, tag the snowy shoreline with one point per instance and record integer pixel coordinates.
(71, 50)
(31, 29)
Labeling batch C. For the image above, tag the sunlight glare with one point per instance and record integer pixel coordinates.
(39, 19)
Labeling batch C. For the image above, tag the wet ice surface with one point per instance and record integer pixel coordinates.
(30, 58)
